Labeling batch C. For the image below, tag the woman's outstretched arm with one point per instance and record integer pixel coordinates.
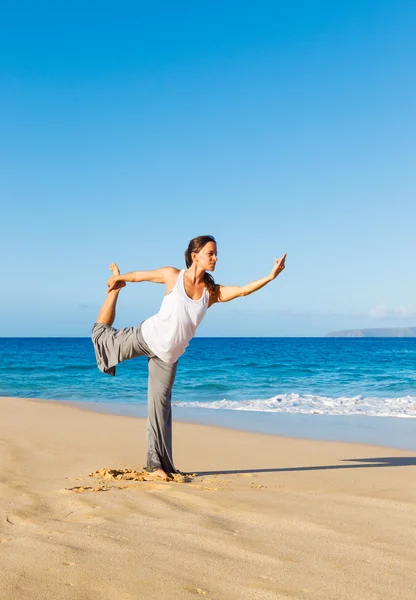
(225, 293)
(162, 275)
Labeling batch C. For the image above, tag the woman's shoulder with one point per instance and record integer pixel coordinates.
(213, 293)
(172, 270)
(171, 275)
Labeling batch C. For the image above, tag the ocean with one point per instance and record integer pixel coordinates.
(326, 388)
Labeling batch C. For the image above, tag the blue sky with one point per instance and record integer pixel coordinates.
(274, 126)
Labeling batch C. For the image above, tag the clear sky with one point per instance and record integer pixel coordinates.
(127, 129)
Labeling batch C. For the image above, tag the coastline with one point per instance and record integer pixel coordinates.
(263, 517)
(388, 432)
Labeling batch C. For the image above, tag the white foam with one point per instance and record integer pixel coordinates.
(404, 406)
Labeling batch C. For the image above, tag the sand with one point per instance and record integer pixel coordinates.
(257, 516)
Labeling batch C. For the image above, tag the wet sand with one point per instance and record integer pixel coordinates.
(256, 517)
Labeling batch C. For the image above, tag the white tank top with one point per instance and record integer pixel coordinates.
(169, 331)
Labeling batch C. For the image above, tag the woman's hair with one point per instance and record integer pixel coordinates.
(195, 245)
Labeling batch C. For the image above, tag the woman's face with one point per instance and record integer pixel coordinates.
(207, 257)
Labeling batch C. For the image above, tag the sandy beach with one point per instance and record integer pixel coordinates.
(258, 517)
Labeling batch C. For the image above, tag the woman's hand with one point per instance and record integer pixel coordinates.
(115, 283)
(279, 265)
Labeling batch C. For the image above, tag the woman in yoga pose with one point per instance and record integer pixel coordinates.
(164, 337)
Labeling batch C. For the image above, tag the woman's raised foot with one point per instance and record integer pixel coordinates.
(116, 271)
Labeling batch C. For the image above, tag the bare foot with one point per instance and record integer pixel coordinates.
(160, 474)
(116, 271)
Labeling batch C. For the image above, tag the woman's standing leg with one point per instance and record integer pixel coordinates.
(159, 420)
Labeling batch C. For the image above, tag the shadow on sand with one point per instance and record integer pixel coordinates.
(359, 463)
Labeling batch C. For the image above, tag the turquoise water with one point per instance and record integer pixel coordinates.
(270, 380)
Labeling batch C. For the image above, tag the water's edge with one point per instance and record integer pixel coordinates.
(375, 431)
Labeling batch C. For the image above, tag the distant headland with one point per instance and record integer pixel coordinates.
(385, 332)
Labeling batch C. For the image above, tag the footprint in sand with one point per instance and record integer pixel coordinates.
(82, 490)
(197, 590)
(16, 520)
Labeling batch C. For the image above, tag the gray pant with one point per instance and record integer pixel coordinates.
(113, 346)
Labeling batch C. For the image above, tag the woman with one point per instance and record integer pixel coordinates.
(164, 337)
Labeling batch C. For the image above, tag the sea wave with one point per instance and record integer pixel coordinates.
(404, 406)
